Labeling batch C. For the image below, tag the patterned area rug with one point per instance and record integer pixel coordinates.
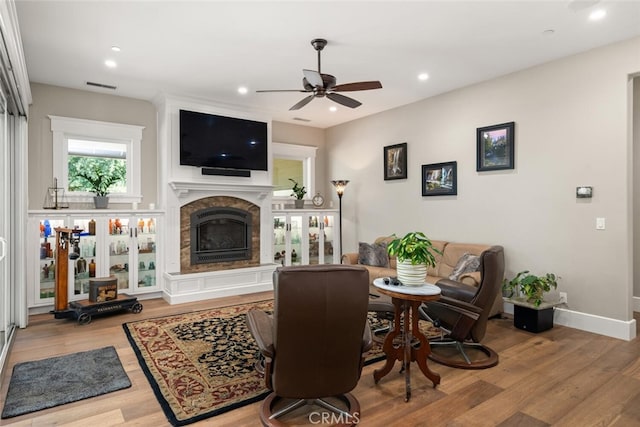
(201, 364)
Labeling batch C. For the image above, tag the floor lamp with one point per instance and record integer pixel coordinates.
(340, 184)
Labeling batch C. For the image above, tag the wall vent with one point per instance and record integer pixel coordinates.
(102, 85)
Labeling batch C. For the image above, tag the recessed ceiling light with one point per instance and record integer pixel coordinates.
(115, 48)
(423, 76)
(597, 14)
(333, 108)
(242, 90)
(110, 63)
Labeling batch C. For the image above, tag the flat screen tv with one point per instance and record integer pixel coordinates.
(211, 141)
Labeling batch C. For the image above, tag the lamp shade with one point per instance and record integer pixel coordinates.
(340, 185)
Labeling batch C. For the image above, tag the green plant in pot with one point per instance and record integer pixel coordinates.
(298, 192)
(415, 253)
(100, 178)
(530, 287)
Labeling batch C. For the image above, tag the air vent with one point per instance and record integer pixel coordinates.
(300, 119)
(102, 85)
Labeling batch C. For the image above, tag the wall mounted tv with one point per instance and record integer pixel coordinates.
(212, 141)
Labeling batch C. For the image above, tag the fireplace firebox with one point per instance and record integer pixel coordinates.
(220, 234)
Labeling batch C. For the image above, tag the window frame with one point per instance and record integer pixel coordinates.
(65, 128)
(304, 153)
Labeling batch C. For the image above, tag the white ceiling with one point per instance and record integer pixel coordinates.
(207, 49)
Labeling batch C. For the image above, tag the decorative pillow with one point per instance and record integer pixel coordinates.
(466, 264)
(374, 255)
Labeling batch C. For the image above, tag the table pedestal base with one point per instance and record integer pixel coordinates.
(406, 352)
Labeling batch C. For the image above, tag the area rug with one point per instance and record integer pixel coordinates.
(202, 364)
(58, 380)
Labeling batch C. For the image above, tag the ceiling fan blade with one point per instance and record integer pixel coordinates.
(314, 78)
(283, 90)
(302, 103)
(344, 100)
(349, 87)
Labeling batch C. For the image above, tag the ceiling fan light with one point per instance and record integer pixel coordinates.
(597, 15)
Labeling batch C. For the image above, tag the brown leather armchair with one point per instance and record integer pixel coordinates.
(462, 313)
(314, 343)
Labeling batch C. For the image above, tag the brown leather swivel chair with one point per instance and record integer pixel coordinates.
(462, 313)
(314, 343)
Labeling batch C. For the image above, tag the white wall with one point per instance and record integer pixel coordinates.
(59, 101)
(304, 135)
(635, 131)
(571, 129)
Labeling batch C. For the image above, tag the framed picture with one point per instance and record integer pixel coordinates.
(495, 147)
(440, 179)
(395, 161)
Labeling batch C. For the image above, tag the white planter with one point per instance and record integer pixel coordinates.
(411, 275)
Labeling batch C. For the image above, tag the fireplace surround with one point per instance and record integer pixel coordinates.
(219, 233)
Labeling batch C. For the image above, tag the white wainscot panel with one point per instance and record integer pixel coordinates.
(180, 288)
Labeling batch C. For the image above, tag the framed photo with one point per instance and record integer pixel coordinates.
(395, 161)
(495, 147)
(440, 179)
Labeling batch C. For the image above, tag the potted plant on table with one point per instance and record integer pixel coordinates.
(298, 192)
(100, 179)
(415, 253)
(526, 292)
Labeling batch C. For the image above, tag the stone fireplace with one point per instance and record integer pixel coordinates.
(219, 233)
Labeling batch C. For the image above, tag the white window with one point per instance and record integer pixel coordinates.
(85, 145)
(291, 161)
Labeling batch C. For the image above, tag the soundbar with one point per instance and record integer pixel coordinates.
(226, 172)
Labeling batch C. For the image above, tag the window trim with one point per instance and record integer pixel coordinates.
(64, 128)
(305, 153)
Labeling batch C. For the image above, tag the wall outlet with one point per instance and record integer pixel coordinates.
(563, 298)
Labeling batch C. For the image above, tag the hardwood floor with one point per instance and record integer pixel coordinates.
(562, 377)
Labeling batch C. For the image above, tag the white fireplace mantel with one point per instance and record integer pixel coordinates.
(182, 188)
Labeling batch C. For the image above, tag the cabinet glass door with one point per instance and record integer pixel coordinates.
(46, 263)
(296, 239)
(145, 233)
(85, 266)
(279, 238)
(118, 241)
(328, 232)
(315, 236)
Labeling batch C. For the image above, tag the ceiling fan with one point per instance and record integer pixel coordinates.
(321, 85)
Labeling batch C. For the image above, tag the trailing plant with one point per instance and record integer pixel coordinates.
(298, 191)
(100, 177)
(530, 286)
(414, 247)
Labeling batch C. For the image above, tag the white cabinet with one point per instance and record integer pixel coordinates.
(306, 237)
(119, 244)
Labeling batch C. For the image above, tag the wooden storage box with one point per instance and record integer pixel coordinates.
(103, 289)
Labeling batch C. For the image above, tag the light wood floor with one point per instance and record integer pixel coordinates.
(562, 377)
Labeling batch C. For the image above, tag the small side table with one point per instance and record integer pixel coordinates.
(406, 300)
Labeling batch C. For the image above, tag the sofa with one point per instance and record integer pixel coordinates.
(456, 264)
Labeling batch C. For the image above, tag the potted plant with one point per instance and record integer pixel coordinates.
(414, 253)
(298, 192)
(526, 292)
(100, 180)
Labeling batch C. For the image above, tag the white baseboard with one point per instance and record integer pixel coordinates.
(636, 304)
(621, 329)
